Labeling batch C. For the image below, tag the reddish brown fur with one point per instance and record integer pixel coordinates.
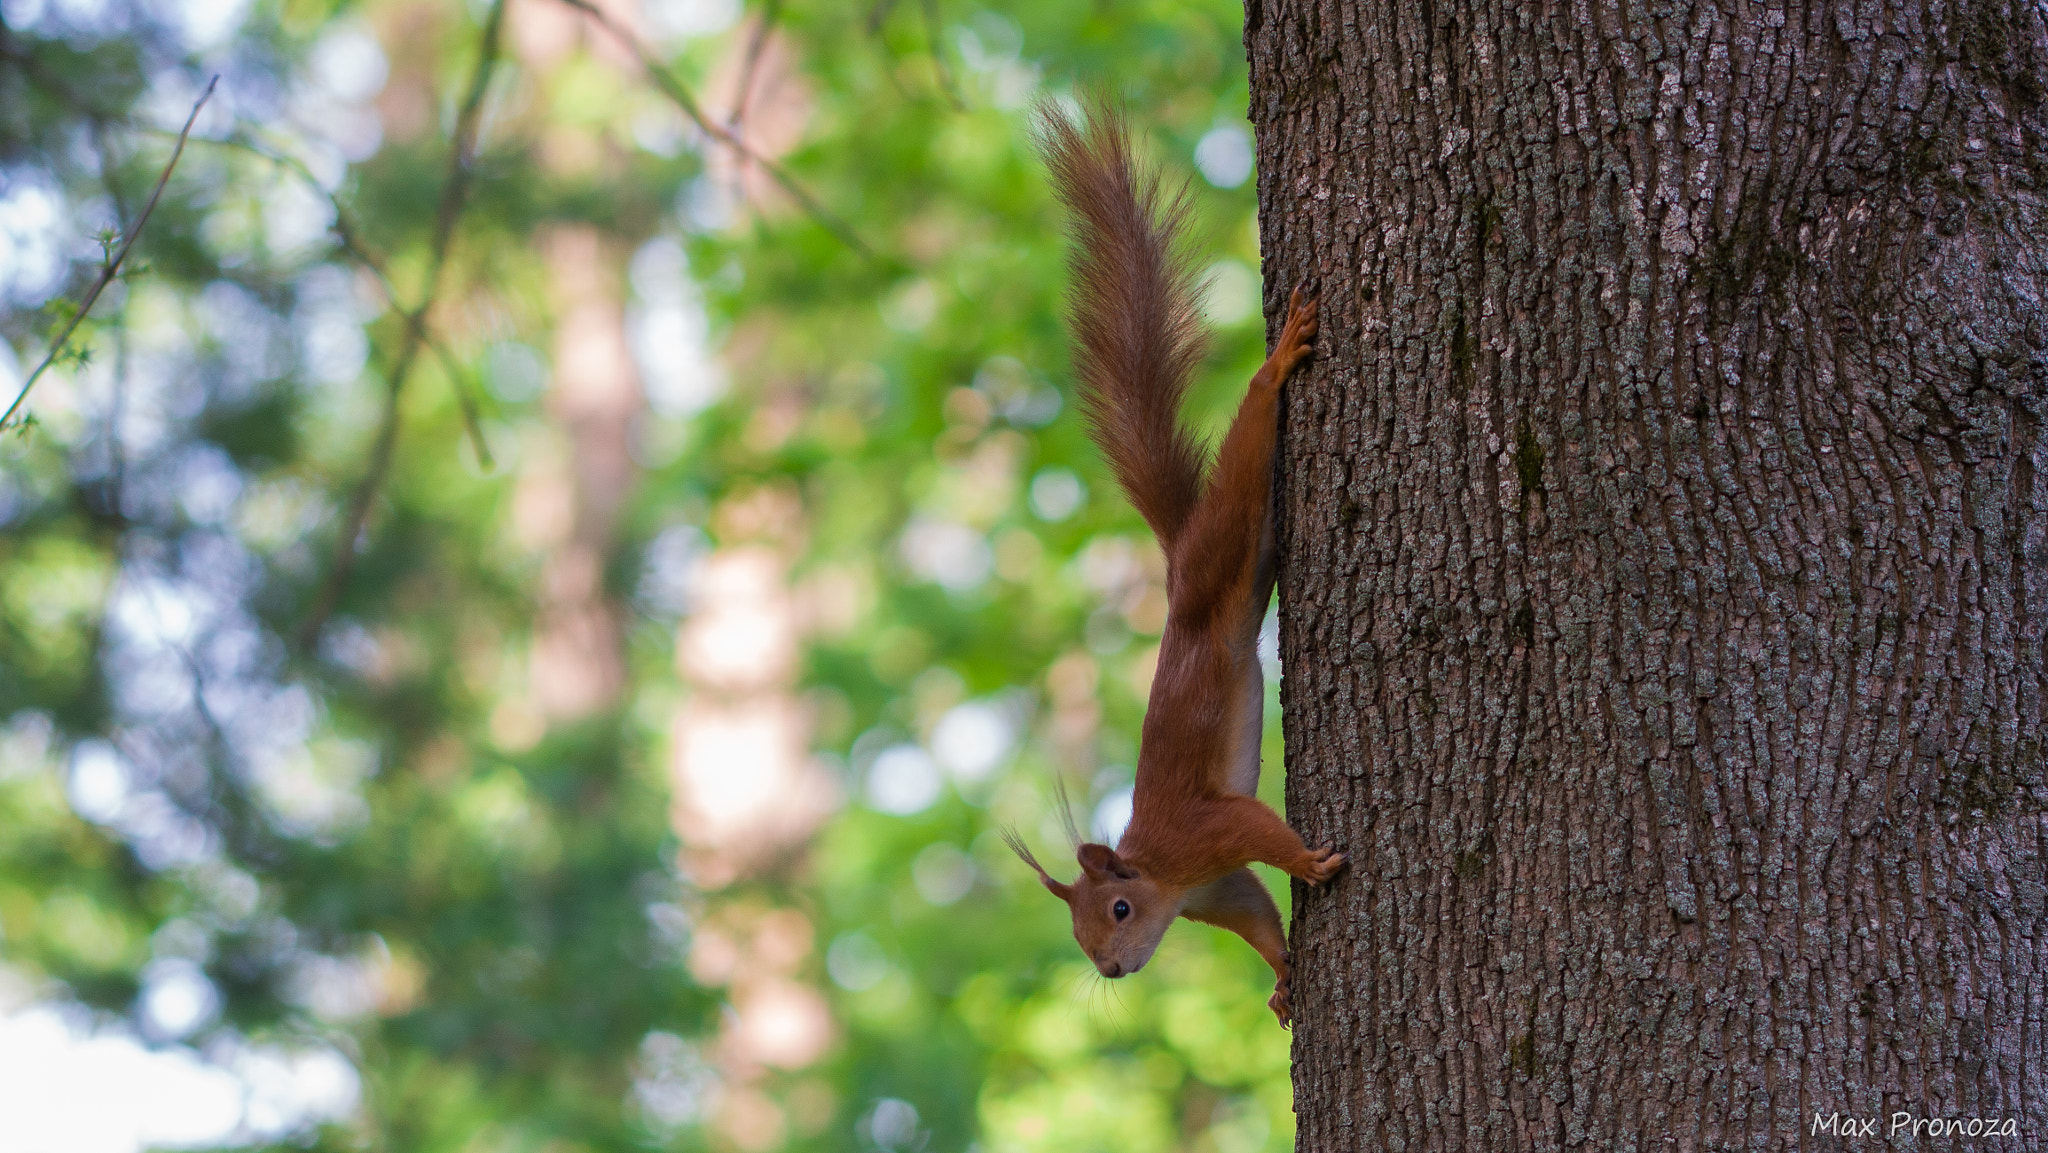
(1194, 823)
(1136, 333)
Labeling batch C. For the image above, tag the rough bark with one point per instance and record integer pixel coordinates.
(1664, 566)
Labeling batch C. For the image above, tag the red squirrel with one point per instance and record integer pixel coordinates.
(1196, 821)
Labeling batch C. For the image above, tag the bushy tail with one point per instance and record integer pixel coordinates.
(1138, 337)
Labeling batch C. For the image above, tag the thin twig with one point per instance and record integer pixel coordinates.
(453, 195)
(878, 14)
(946, 82)
(948, 86)
(681, 96)
(771, 11)
(465, 402)
(349, 238)
(113, 264)
(117, 456)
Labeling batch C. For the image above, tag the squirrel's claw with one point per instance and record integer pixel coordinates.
(1296, 334)
(1281, 1004)
(1325, 863)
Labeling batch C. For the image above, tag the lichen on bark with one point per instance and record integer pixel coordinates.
(1664, 536)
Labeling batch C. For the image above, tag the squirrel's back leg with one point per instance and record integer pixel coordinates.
(1222, 560)
(1221, 565)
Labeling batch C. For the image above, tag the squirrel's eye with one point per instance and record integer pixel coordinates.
(1122, 909)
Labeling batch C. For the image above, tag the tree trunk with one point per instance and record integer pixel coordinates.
(1664, 537)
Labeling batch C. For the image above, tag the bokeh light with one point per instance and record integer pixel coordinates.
(581, 714)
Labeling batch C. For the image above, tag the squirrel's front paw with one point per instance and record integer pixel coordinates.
(1281, 1006)
(1324, 863)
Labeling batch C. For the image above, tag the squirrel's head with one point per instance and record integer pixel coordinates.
(1119, 914)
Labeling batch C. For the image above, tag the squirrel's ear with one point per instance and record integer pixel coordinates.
(1098, 860)
(1016, 843)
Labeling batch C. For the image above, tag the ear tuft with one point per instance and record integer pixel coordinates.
(1017, 846)
(1066, 808)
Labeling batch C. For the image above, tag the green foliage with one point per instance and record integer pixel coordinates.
(182, 777)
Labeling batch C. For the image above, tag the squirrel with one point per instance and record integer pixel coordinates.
(1196, 821)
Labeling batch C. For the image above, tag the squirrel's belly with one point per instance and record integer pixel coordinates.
(1248, 728)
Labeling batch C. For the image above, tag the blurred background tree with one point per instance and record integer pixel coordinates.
(524, 603)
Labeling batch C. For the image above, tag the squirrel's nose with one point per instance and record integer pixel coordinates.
(1112, 970)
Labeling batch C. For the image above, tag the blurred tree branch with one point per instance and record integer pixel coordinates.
(879, 14)
(349, 236)
(946, 82)
(112, 265)
(454, 195)
(685, 100)
(117, 462)
(757, 43)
